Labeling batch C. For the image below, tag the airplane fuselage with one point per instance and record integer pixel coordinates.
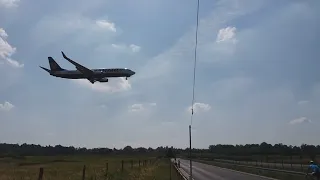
(98, 73)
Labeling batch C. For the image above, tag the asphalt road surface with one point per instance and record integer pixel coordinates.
(202, 171)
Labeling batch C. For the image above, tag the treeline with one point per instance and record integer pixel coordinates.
(220, 149)
(264, 149)
(38, 150)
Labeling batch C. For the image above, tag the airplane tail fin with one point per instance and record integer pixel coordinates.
(54, 66)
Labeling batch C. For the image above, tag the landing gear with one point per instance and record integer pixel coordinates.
(103, 80)
(126, 78)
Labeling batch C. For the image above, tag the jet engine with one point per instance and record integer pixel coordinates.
(103, 80)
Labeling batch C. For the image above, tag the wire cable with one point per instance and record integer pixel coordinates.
(195, 65)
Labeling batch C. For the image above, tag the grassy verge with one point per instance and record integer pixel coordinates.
(272, 174)
(97, 168)
(162, 171)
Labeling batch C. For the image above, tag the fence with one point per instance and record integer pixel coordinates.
(172, 170)
(132, 163)
(270, 165)
(292, 160)
(265, 168)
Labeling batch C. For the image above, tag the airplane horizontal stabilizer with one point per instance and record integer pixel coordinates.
(45, 69)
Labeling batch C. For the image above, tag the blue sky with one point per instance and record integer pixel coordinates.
(257, 72)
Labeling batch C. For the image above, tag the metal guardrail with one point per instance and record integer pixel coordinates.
(256, 167)
(182, 175)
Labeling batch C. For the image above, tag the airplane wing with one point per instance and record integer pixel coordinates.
(79, 67)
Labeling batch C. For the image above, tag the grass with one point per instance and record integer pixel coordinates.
(97, 168)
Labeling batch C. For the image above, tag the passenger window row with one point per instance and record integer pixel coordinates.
(109, 70)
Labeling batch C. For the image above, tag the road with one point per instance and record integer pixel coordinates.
(202, 171)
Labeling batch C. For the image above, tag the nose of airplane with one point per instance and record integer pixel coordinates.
(132, 72)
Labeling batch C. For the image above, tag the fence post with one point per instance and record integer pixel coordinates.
(122, 165)
(301, 162)
(40, 174)
(282, 164)
(139, 162)
(291, 161)
(131, 164)
(107, 168)
(95, 174)
(170, 164)
(84, 172)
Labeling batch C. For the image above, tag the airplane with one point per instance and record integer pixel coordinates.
(93, 75)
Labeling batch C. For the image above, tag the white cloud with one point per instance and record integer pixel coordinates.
(140, 107)
(9, 3)
(199, 107)
(135, 48)
(3, 33)
(227, 35)
(106, 25)
(136, 108)
(224, 44)
(300, 120)
(132, 47)
(6, 51)
(83, 30)
(14, 63)
(6, 106)
(208, 49)
(114, 85)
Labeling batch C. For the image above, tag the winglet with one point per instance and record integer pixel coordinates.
(64, 56)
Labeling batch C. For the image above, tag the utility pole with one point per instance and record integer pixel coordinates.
(194, 82)
(190, 152)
